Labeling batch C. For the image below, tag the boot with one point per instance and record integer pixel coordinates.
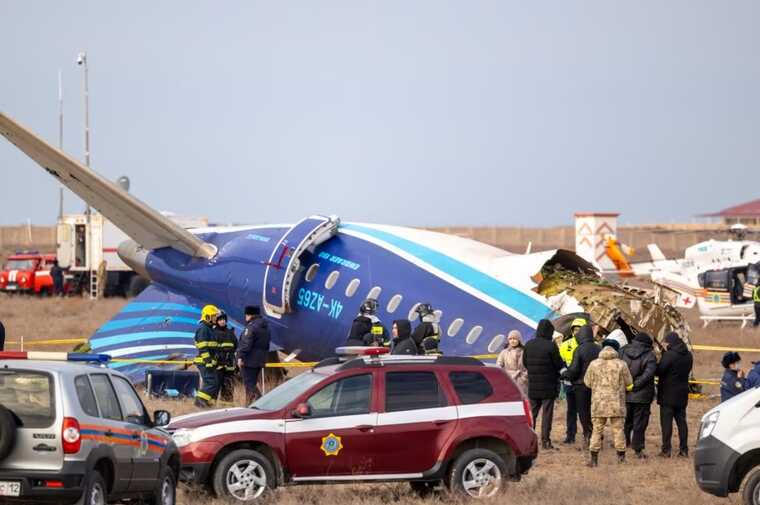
(665, 454)
(547, 445)
(569, 440)
(202, 404)
(594, 461)
(621, 457)
(641, 454)
(683, 453)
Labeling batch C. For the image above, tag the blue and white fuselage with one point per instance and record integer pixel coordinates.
(309, 278)
(481, 292)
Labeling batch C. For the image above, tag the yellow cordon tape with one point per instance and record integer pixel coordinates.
(58, 341)
(299, 364)
(724, 349)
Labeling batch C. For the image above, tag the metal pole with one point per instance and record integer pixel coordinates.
(83, 61)
(60, 137)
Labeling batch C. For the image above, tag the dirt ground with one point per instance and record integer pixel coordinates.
(559, 477)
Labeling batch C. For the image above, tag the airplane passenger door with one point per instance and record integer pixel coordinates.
(284, 262)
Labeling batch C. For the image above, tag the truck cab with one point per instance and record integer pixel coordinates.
(29, 273)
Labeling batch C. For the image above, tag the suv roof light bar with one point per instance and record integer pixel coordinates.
(355, 350)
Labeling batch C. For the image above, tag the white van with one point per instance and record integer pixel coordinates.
(727, 458)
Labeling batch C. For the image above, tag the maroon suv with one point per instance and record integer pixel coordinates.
(422, 419)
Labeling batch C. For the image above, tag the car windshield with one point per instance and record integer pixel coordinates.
(287, 391)
(19, 265)
(29, 395)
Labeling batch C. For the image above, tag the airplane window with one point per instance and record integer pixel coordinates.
(413, 312)
(352, 287)
(496, 343)
(455, 326)
(312, 272)
(394, 303)
(374, 293)
(475, 332)
(332, 279)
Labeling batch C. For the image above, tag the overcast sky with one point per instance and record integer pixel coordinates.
(404, 112)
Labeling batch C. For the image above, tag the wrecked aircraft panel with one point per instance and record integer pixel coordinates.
(610, 305)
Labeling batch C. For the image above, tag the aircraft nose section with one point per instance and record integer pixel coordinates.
(134, 255)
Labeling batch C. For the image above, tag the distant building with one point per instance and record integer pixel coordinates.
(746, 213)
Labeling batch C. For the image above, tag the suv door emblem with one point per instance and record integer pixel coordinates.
(331, 445)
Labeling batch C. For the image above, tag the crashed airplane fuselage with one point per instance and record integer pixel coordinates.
(310, 278)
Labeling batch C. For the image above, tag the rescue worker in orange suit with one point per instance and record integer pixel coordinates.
(225, 357)
(207, 344)
(252, 351)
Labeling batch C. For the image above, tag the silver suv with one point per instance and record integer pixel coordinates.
(80, 433)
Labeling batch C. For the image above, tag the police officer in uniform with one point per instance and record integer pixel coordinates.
(756, 299)
(427, 334)
(225, 358)
(252, 351)
(206, 344)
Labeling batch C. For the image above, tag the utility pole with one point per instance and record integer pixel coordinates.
(60, 137)
(93, 269)
(82, 61)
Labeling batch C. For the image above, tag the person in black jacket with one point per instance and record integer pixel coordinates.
(586, 352)
(543, 362)
(252, 351)
(56, 272)
(402, 342)
(225, 358)
(642, 363)
(361, 330)
(2, 336)
(673, 392)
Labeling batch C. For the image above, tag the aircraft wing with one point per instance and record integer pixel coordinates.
(144, 224)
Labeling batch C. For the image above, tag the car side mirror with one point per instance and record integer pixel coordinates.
(161, 418)
(302, 410)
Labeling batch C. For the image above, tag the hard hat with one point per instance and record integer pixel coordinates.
(578, 322)
(208, 312)
(369, 306)
(424, 309)
(221, 315)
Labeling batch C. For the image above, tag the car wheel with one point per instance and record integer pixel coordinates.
(7, 432)
(243, 475)
(165, 492)
(95, 490)
(423, 489)
(751, 487)
(478, 473)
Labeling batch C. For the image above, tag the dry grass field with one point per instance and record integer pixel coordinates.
(559, 477)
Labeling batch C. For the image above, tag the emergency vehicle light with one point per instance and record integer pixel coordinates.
(357, 350)
(56, 356)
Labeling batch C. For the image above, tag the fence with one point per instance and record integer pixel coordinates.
(41, 238)
(672, 239)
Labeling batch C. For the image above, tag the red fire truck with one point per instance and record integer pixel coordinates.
(29, 273)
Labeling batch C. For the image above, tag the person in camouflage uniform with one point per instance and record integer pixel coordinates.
(608, 378)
